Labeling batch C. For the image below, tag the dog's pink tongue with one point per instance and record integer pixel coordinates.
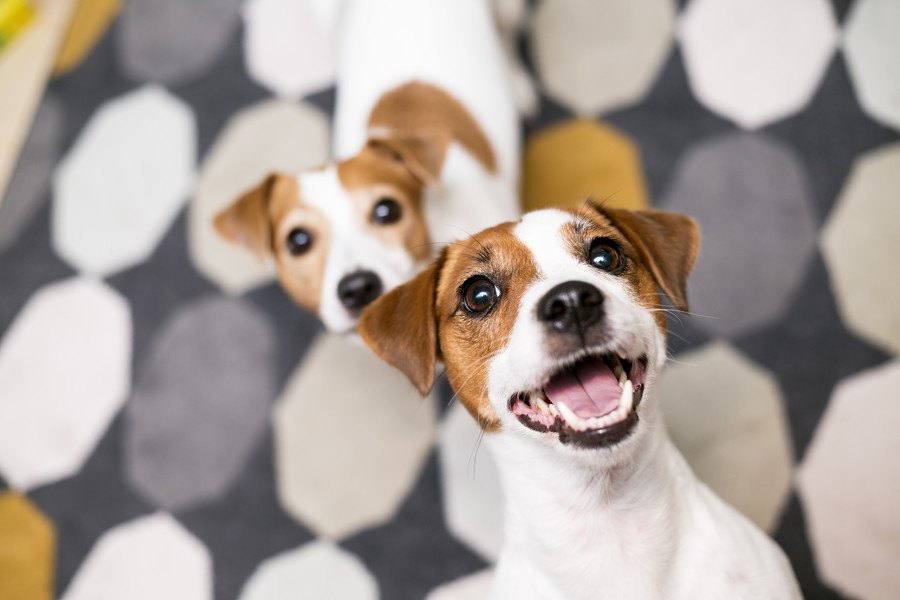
(591, 390)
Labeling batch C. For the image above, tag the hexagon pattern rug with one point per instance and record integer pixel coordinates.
(164, 408)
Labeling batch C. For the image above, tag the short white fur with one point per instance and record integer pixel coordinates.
(630, 522)
(352, 247)
(383, 44)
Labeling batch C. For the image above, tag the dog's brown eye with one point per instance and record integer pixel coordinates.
(605, 255)
(479, 294)
(299, 241)
(386, 211)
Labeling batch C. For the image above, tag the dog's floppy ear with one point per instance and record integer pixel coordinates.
(421, 154)
(401, 327)
(246, 220)
(668, 243)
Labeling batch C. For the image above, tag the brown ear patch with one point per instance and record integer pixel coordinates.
(420, 121)
(667, 242)
(246, 221)
(401, 329)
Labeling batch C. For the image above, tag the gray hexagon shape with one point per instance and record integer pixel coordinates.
(751, 196)
(31, 179)
(756, 61)
(864, 223)
(200, 403)
(171, 41)
(872, 49)
(850, 489)
(598, 56)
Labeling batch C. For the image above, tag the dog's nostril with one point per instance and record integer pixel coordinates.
(358, 289)
(571, 306)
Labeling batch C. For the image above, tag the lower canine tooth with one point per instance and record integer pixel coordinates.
(571, 418)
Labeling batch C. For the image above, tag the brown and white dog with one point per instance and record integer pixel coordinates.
(427, 146)
(552, 332)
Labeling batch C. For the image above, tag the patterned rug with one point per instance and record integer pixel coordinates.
(171, 426)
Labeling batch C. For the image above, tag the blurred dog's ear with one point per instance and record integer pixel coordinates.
(246, 220)
(667, 242)
(422, 154)
(401, 327)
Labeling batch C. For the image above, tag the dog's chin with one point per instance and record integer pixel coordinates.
(588, 400)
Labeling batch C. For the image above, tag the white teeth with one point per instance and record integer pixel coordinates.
(541, 406)
(571, 419)
(627, 398)
(619, 371)
(553, 410)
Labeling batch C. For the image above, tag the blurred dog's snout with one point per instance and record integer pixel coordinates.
(358, 289)
(571, 307)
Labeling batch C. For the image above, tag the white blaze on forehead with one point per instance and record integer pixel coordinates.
(541, 232)
(323, 190)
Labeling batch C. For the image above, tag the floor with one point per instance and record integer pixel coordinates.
(163, 404)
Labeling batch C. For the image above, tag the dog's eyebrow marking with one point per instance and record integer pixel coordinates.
(581, 224)
(483, 255)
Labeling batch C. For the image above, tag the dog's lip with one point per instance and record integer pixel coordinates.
(536, 411)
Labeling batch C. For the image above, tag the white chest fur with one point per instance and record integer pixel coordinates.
(642, 530)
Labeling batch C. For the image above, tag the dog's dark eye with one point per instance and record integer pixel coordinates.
(479, 294)
(605, 255)
(386, 211)
(299, 241)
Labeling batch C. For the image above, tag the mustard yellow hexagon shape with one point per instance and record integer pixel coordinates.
(27, 550)
(90, 21)
(581, 158)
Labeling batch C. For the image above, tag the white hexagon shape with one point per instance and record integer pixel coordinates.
(317, 571)
(286, 47)
(64, 373)
(470, 587)
(872, 49)
(850, 488)
(150, 558)
(756, 61)
(598, 56)
(269, 136)
(864, 224)
(473, 496)
(123, 182)
(351, 435)
(726, 415)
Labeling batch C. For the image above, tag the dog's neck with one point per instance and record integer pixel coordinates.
(569, 518)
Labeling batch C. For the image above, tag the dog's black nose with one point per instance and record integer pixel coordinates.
(359, 289)
(571, 307)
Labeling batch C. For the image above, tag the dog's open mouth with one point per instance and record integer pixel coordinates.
(592, 402)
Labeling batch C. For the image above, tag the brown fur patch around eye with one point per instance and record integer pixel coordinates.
(368, 176)
(300, 276)
(661, 248)
(590, 225)
(467, 342)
